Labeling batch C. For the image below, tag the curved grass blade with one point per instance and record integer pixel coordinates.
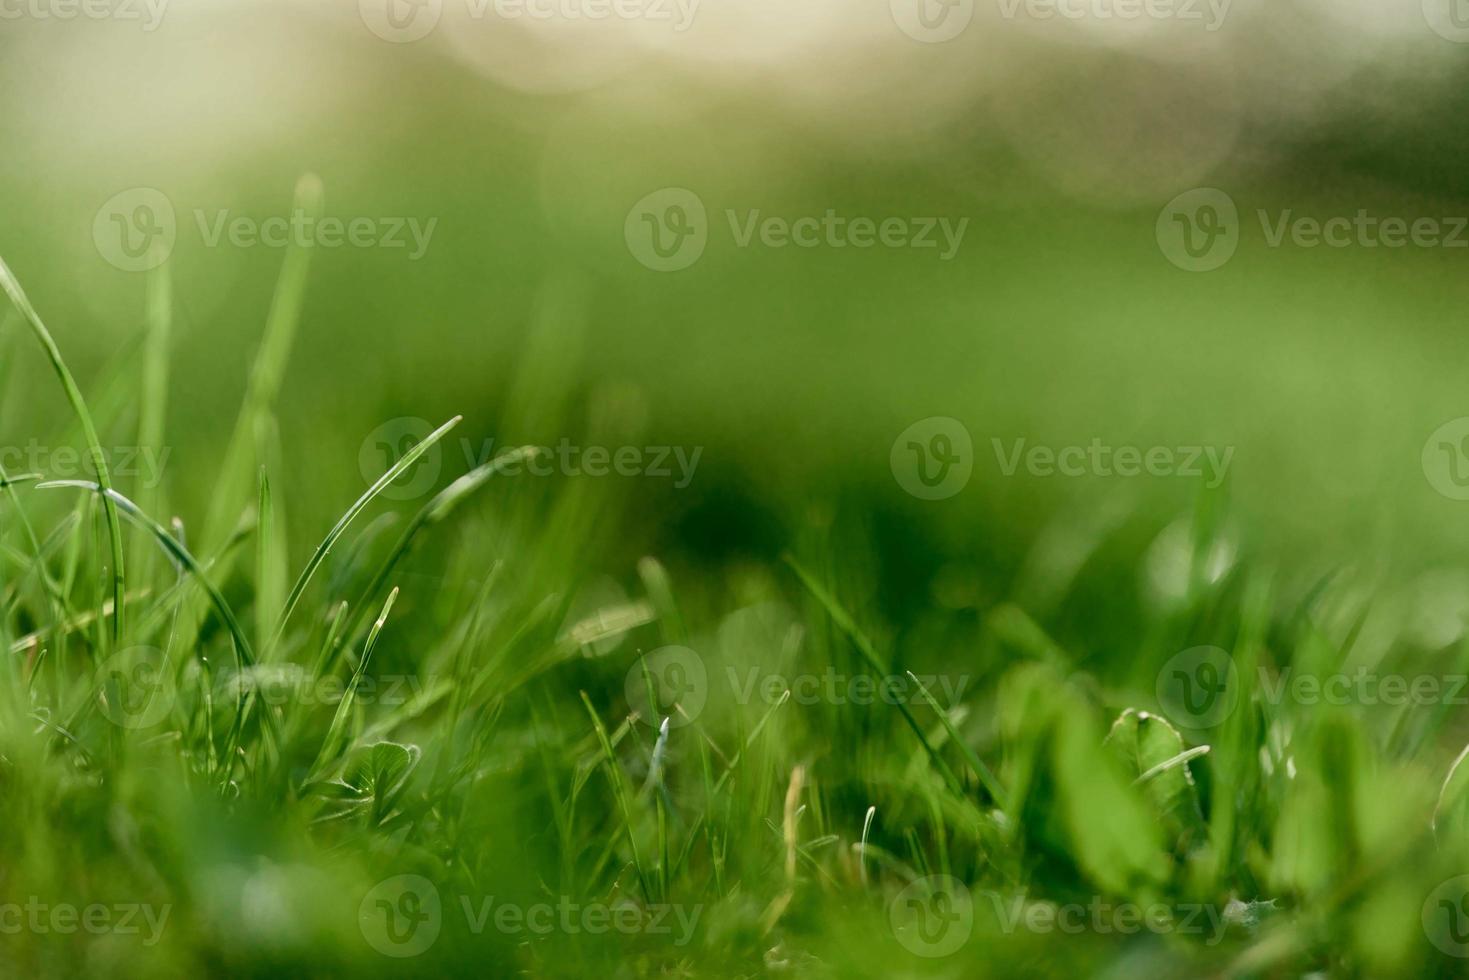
(436, 510)
(339, 720)
(22, 304)
(996, 791)
(864, 646)
(409, 458)
(244, 656)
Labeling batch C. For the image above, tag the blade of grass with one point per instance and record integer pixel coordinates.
(619, 790)
(339, 720)
(440, 507)
(996, 791)
(243, 654)
(232, 486)
(408, 459)
(864, 646)
(23, 306)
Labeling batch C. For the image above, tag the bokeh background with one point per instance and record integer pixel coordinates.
(1059, 320)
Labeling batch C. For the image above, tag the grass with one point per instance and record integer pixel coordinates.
(495, 777)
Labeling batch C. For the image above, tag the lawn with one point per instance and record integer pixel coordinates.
(470, 509)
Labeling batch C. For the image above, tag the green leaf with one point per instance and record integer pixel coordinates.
(1153, 753)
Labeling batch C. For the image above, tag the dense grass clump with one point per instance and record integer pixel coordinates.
(435, 745)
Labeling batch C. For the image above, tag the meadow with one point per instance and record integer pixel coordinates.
(799, 497)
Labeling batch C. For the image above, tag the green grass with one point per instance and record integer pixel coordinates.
(149, 758)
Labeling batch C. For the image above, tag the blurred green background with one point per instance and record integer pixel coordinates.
(1060, 319)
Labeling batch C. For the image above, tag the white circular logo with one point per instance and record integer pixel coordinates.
(933, 458)
(1445, 459)
(932, 21)
(389, 443)
(679, 686)
(667, 230)
(1198, 230)
(1199, 687)
(400, 21)
(135, 687)
(1446, 917)
(135, 229)
(1449, 19)
(401, 916)
(933, 916)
